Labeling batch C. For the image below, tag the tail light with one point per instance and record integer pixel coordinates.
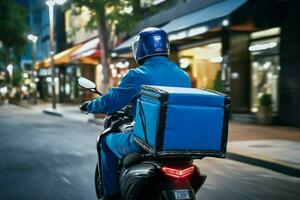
(178, 173)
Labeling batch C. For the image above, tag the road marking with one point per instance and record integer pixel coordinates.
(66, 180)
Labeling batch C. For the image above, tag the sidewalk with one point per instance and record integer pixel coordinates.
(70, 111)
(275, 148)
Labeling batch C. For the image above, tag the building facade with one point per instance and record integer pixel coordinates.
(244, 48)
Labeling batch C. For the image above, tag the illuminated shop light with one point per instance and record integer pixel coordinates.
(225, 22)
(178, 36)
(264, 46)
(278, 67)
(24, 88)
(254, 109)
(27, 81)
(121, 65)
(32, 85)
(25, 75)
(114, 73)
(67, 88)
(156, 2)
(266, 33)
(216, 46)
(126, 64)
(114, 54)
(10, 68)
(235, 75)
(267, 65)
(49, 79)
(56, 79)
(3, 90)
(255, 64)
(216, 59)
(197, 31)
(128, 9)
(99, 67)
(184, 63)
(111, 66)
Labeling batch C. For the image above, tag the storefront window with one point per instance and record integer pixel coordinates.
(265, 70)
(203, 64)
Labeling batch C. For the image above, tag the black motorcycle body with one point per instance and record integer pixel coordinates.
(144, 176)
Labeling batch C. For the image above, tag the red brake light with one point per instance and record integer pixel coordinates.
(178, 173)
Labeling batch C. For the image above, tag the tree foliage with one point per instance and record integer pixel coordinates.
(13, 27)
(17, 77)
(112, 18)
(119, 16)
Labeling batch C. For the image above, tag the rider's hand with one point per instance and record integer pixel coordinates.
(83, 106)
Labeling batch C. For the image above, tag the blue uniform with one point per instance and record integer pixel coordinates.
(156, 70)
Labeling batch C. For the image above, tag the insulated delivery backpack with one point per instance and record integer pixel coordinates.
(175, 121)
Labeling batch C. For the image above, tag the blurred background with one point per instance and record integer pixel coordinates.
(248, 49)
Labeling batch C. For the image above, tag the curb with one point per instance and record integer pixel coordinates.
(19, 105)
(53, 113)
(275, 166)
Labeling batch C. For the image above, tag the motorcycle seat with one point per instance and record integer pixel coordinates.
(137, 157)
(132, 158)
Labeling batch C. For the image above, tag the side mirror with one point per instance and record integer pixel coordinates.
(87, 84)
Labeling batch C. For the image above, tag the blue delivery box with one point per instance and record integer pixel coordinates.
(175, 121)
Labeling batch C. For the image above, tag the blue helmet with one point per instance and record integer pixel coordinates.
(149, 42)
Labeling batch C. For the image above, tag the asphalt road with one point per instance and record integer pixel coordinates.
(47, 157)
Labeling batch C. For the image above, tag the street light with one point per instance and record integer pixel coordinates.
(33, 38)
(60, 2)
(10, 69)
(50, 4)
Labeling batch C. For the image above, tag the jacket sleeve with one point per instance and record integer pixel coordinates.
(117, 97)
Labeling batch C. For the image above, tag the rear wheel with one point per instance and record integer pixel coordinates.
(98, 183)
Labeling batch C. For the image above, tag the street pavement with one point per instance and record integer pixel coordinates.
(49, 157)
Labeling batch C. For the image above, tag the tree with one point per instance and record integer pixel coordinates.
(13, 27)
(111, 18)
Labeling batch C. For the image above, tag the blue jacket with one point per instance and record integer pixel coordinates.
(156, 70)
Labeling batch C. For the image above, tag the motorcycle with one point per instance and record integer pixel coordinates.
(141, 175)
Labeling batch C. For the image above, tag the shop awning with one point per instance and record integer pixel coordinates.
(61, 58)
(195, 23)
(89, 49)
(88, 61)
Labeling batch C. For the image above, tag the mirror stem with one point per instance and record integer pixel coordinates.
(97, 92)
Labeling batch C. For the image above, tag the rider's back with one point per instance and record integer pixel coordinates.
(160, 71)
(157, 71)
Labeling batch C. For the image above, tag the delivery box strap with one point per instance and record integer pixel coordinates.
(143, 120)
